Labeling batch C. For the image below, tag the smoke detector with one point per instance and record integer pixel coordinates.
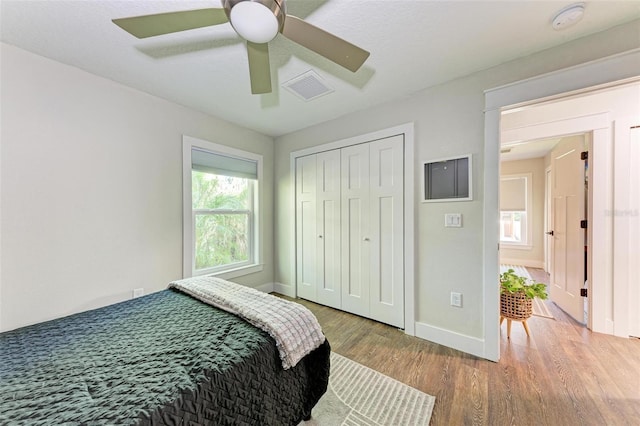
(568, 16)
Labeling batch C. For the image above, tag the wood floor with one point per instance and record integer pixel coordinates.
(563, 375)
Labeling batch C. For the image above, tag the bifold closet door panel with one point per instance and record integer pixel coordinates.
(306, 228)
(350, 229)
(386, 192)
(356, 238)
(328, 242)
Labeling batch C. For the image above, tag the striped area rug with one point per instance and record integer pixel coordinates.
(539, 307)
(360, 396)
(519, 270)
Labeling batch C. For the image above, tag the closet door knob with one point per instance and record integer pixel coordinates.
(319, 236)
(365, 239)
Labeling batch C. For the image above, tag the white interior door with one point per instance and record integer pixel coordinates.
(328, 246)
(386, 231)
(306, 228)
(356, 235)
(567, 277)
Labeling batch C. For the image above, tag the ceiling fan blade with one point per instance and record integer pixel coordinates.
(259, 68)
(171, 22)
(326, 44)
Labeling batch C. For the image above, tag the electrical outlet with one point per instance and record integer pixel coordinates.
(456, 299)
(137, 292)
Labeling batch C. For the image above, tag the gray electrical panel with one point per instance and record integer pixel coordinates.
(448, 180)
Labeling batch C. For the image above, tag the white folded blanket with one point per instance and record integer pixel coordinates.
(294, 328)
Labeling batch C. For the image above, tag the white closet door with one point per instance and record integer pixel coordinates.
(386, 192)
(356, 238)
(306, 227)
(328, 222)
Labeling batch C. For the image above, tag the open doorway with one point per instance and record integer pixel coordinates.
(605, 118)
(610, 311)
(543, 219)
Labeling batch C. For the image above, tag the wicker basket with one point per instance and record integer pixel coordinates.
(516, 306)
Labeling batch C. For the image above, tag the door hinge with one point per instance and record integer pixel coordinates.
(583, 224)
(584, 155)
(583, 292)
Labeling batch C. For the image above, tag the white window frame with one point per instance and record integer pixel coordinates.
(527, 242)
(188, 217)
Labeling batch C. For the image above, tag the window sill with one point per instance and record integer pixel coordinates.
(515, 246)
(234, 273)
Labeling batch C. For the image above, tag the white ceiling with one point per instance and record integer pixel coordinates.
(414, 44)
(525, 150)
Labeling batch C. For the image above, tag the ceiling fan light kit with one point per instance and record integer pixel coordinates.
(255, 21)
(258, 22)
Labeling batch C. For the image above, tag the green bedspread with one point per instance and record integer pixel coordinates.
(165, 358)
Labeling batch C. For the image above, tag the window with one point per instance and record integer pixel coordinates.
(515, 205)
(513, 227)
(221, 188)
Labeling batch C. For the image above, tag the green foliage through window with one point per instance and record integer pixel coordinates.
(222, 207)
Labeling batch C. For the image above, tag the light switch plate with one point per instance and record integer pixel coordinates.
(453, 220)
(456, 299)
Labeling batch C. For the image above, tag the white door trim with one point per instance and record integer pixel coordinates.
(621, 214)
(582, 78)
(547, 219)
(631, 221)
(407, 130)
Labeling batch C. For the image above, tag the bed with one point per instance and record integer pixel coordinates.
(162, 359)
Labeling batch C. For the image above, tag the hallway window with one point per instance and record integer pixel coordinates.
(513, 227)
(515, 203)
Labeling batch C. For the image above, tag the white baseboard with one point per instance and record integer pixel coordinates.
(265, 288)
(284, 289)
(523, 262)
(608, 326)
(461, 342)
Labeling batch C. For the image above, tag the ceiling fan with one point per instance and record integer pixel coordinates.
(258, 22)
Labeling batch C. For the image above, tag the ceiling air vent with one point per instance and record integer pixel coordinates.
(308, 86)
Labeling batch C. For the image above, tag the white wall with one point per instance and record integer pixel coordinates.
(449, 121)
(55, 118)
(92, 189)
(532, 256)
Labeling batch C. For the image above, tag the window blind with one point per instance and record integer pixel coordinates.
(513, 194)
(211, 162)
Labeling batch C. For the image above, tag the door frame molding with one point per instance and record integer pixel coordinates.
(623, 243)
(407, 130)
(545, 87)
(547, 219)
(628, 212)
